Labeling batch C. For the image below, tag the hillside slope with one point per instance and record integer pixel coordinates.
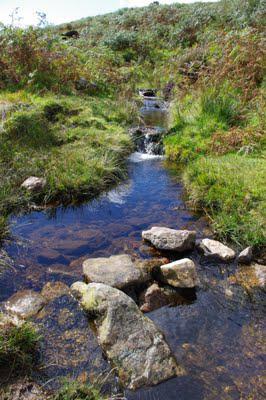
(208, 59)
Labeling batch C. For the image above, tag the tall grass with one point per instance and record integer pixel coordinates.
(197, 118)
(232, 190)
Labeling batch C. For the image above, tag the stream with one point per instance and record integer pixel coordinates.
(217, 337)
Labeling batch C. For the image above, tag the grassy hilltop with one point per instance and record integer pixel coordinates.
(208, 59)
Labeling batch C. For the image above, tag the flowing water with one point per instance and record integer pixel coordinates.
(218, 337)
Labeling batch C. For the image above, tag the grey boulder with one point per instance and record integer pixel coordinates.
(130, 340)
(170, 239)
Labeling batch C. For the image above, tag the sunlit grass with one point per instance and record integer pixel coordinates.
(72, 142)
(232, 190)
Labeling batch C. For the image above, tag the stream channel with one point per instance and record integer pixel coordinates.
(217, 336)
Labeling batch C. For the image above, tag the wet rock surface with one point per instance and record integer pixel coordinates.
(170, 239)
(245, 256)
(253, 279)
(148, 140)
(69, 346)
(131, 341)
(156, 296)
(181, 273)
(117, 271)
(52, 290)
(25, 304)
(216, 249)
(23, 390)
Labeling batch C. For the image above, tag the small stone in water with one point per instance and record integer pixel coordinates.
(181, 273)
(117, 271)
(170, 239)
(245, 256)
(25, 303)
(214, 248)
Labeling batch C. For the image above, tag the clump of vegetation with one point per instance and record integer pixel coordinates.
(232, 190)
(3, 226)
(18, 347)
(73, 390)
(197, 118)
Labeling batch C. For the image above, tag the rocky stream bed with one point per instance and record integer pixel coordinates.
(156, 313)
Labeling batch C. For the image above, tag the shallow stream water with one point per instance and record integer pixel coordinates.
(218, 338)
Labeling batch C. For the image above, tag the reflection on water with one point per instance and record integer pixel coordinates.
(52, 245)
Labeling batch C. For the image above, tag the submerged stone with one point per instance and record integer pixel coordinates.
(68, 344)
(252, 276)
(214, 248)
(25, 303)
(170, 239)
(23, 389)
(181, 273)
(156, 297)
(52, 290)
(130, 340)
(117, 271)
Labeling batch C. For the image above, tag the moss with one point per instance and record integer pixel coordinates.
(18, 347)
(29, 128)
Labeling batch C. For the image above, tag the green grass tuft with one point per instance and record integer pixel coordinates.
(18, 347)
(197, 118)
(232, 190)
(72, 390)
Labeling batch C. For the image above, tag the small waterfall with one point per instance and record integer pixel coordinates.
(148, 138)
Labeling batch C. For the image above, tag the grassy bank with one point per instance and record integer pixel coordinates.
(220, 139)
(78, 144)
(232, 191)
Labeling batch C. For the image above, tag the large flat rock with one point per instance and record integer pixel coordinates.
(130, 340)
(170, 239)
(117, 271)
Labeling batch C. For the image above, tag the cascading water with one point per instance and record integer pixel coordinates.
(148, 138)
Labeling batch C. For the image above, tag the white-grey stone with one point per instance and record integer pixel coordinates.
(117, 271)
(170, 239)
(214, 248)
(25, 304)
(181, 273)
(245, 256)
(34, 183)
(130, 340)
